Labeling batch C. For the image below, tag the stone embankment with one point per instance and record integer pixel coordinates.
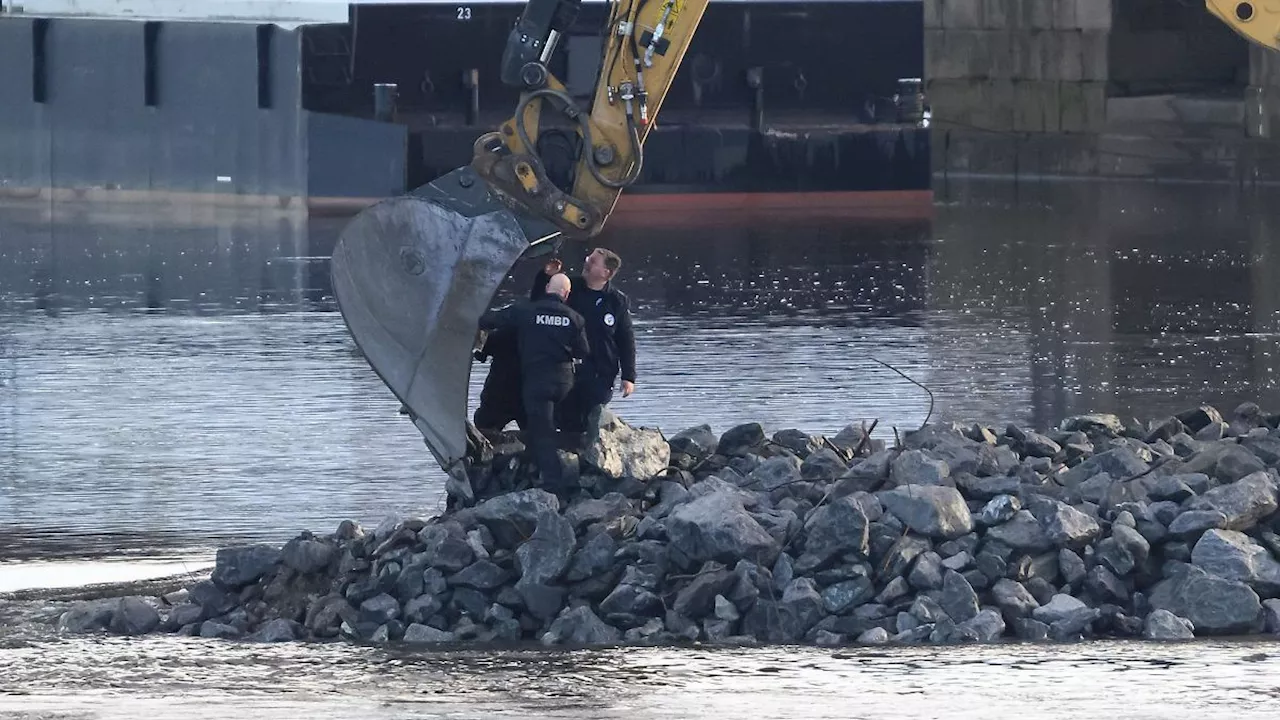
(1164, 530)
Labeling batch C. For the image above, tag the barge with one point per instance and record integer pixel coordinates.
(324, 104)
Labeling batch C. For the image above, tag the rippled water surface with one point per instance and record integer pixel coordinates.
(176, 379)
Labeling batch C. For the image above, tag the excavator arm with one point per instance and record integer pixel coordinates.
(646, 42)
(1256, 20)
(413, 274)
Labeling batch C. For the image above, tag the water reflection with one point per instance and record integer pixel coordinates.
(193, 677)
(177, 377)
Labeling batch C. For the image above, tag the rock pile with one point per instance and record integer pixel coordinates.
(1100, 527)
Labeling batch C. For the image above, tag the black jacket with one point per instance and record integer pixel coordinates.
(549, 334)
(607, 314)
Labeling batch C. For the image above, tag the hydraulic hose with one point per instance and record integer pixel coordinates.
(571, 109)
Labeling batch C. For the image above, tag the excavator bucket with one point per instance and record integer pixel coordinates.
(412, 276)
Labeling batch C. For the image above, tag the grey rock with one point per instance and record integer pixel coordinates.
(542, 601)
(999, 509)
(1030, 630)
(1074, 624)
(1164, 625)
(801, 607)
(1063, 525)
(725, 609)
(306, 555)
(620, 450)
(895, 589)
(1104, 585)
(1036, 445)
(221, 631)
(1014, 600)
(546, 555)
(1271, 616)
(134, 616)
(1071, 566)
(237, 566)
(419, 633)
(277, 630)
(698, 441)
(595, 557)
(184, 614)
(1192, 523)
(513, 516)
(930, 510)
(1235, 556)
(836, 528)
(1121, 463)
(697, 599)
(421, 608)
(741, 439)
(480, 575)
(987, 488)
(985, 627)
(901, 554)
(1237, 462)
(1170, 487)
(445, 550)
(775, 472)
(604, 509)
(958, 597)
(1125, 550)
(1214, 605)
(843, 597)
(1243, 503)
(717, 527)
(580, 626)
(825, 638)
(958, 562)
(1059, 608)
(823, 465)
(1023, 532)
(87, 616)
(628, 602)
(380, 609)
(927, 572)
(801, 443)
(874, 636)
(915, 467)
(865, 475)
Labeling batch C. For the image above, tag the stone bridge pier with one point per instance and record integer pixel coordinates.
(1147, 88)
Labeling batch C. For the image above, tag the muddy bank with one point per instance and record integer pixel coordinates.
(1101, 527)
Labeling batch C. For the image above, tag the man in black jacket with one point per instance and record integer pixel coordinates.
(501, 398)
(607, 313)
(549, 336)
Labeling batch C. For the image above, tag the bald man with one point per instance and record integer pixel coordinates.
(550, 336)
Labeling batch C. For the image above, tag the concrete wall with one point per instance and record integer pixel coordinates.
(177, 108)
(1024, 65)
(1160, 46)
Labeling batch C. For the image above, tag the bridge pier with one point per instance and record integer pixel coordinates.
(1146, 88)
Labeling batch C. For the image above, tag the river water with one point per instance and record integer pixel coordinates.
(175, 379)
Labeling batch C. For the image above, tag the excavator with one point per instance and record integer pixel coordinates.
(413, 274)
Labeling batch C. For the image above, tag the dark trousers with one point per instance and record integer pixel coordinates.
(496, 411)
(541, 395)
(589, 392)
(501, 398)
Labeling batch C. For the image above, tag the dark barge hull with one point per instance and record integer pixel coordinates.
(244, 113)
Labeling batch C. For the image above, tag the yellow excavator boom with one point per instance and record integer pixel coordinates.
(1257, 20)
(413, 274)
